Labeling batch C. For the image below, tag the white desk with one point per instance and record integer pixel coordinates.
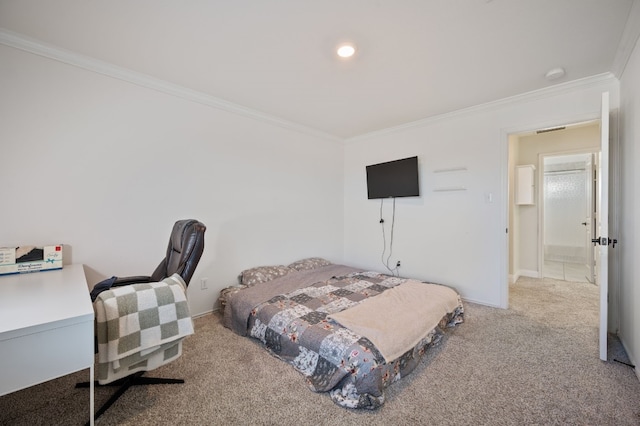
(46, 328)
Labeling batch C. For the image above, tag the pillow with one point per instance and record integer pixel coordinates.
(263, 274)
(309, 263)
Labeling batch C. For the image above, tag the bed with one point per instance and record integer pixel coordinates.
(350, 332)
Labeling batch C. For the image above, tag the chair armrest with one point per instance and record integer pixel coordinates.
(116, 282)
(131, 280)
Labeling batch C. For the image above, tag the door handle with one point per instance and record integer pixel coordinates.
(584, 223)
(604, 241)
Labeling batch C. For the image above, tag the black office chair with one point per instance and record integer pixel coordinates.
(185, 248)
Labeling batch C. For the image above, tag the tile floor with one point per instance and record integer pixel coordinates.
(575, 272)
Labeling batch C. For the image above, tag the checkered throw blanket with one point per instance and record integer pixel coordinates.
(140, 327)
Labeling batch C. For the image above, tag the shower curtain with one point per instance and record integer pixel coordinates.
(565, 212)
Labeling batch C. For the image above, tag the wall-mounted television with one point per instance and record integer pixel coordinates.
(392, 179)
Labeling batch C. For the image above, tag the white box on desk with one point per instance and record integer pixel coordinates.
(19, 260)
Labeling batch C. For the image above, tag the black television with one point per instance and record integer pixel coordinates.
(392, 179)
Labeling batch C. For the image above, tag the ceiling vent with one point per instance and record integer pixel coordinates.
(553, 129)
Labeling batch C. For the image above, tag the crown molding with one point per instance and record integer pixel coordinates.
(630, 36)
(21, 42)
(547, 92)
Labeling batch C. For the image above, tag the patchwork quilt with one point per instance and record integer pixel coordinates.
(297, 327)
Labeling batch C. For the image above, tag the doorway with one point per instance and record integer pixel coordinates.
(564, 148)
(519, 218)
(567, 220)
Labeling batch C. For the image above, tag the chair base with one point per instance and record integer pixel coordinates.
(125, 383)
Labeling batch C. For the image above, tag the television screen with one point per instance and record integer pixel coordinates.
(397, 178)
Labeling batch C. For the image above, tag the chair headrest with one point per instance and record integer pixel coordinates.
(185, 248)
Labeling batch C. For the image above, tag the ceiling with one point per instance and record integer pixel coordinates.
(415, 58)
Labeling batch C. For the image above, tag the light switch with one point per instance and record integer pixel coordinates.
(488, 197)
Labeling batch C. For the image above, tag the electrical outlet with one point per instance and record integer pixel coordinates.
(203, 283)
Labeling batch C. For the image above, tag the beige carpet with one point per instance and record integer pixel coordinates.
(536, 363)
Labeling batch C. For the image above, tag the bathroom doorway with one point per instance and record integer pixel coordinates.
(568, 220)
(568, 150)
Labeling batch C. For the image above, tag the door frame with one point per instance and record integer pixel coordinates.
(540, 198)
(602, 250)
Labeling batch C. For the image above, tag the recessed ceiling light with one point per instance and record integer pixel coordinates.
(555, 74)
(346, 50)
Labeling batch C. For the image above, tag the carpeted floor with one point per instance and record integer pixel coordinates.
(535, 363)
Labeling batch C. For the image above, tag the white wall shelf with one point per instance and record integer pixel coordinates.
(450, 179)
(453, 188)
(451, 169)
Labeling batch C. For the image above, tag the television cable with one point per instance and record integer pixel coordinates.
(385, 262)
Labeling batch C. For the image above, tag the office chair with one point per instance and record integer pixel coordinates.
(185, 248)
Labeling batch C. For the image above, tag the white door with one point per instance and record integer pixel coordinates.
(602, 222)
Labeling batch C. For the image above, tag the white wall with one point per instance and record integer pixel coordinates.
(458, 237)
(106, 167)
(630, 201)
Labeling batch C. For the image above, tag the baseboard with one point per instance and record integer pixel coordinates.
(202, 314)
(636, 368)
(513, 278)
(479, 302)
(528, 273)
